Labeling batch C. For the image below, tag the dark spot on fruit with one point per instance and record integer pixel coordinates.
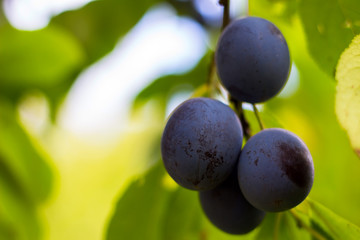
(256, 162)
(295, 164)
(176, 164)
(187, 149)
(278, 202)
(210, 155)
(196, 182)
(213, 162)
(275, 31)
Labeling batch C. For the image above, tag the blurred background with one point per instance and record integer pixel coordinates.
(85, 89)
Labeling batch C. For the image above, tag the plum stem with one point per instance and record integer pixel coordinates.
(237, 105)
(258, 117)
(226, 15)
(240, 112)
(212, 82)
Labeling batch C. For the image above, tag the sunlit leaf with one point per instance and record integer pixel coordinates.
(348, 92)
(284, 9)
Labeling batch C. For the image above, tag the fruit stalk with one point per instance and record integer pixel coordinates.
(258, 117)
(226, 15)
(239, 111)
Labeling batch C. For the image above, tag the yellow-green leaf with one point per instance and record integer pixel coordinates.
(348, 92)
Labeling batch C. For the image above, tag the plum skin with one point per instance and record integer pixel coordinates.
(201, 143)
(252, 59)
(275, 170)
(226, 207)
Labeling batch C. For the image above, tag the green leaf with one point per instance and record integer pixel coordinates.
(140, 209)
(281, 226)
(183, 217)
(322, 223)
(25, 180)
(267, 227)
(40, 59)
(100, 24)
(267, 118)
(283, 9)
(211, 232)
(6, 231)
(18, 217)
(21, 164)
(3, 19)
(320, 229)
(163, 88)
(335, 225)
(348, 92)
(329, 26)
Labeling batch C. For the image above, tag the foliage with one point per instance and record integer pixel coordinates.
(347, 94)
(54, 185)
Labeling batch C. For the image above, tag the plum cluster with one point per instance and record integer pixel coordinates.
(202, 143)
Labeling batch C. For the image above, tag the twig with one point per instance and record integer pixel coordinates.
(258, 117)
(212, 84)
(226, 15)
(240, 112)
